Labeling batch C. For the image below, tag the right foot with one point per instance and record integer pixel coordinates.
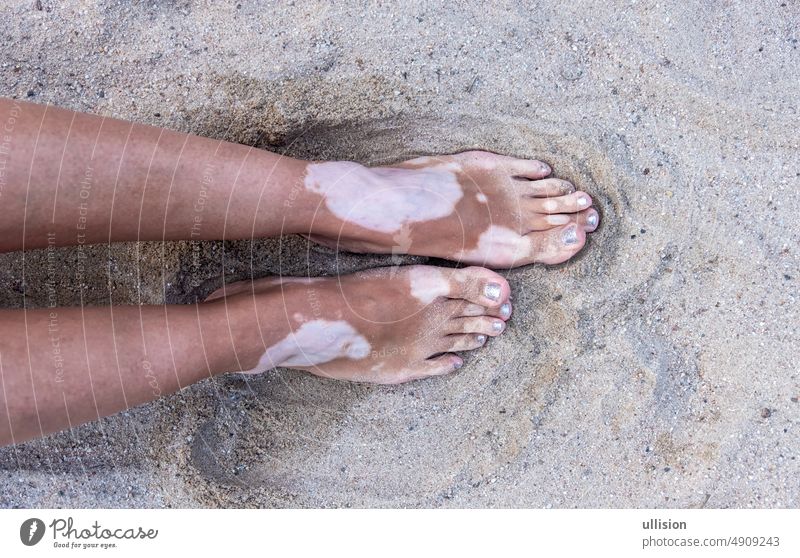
(474, 207)
(386, 325)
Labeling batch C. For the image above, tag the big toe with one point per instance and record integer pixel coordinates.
(557, 245)
(480, 286)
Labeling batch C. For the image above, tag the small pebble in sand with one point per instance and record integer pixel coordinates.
(766, 412)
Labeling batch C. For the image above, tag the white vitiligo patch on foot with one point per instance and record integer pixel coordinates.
(482, 198)
(498, 244)
(428, 283)
(313, 343)
(385, 199)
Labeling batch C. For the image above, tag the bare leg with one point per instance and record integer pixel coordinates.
(109, 359)
(62, 367)
(83, 179)
(69, 178)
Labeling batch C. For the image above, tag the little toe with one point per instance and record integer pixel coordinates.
(514, 167)
(526, 168)
(569, 203)
(557, 245)
(435, 366)
(479, 286)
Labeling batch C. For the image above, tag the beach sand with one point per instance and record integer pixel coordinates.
(659, 368)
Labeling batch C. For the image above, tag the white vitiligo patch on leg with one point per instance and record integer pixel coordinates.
(428, 283)
(313, 343)
(385, 199)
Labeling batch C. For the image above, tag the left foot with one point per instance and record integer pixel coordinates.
(383, 325)
(474, 207)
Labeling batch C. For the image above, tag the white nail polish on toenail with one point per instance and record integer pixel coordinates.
(458, 364)
(481, 339)
(591, 220)
(492, 291)
(582, 202)
(498, 325)
(570, 236)
(505, 310)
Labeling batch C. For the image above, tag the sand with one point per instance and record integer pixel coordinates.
(658, 368)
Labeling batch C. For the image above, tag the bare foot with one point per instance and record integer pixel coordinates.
(474, 207)
(386, 325)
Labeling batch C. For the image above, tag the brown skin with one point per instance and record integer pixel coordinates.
(111, 359)
(405, 336)
(73, 179)
(519, 195)
(146, 183)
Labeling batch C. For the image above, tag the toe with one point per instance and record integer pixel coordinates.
(548, 187)
(570, 203)
(467, 309)
(526, 168)
(464, 309)
(479, 286)
(463, 342)
(557, 245)
(436, 366)
(503, 311)
(535, 220)
(486, 325)
(519, 168)
(589, 219)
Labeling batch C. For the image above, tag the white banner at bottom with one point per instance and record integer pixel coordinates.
(388, 533)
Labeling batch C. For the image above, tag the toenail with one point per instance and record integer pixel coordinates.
(583, 202)
(498, 325)
(545, 168)
(591, 220)
(492, 291)
(481, 339)
(570, 235)
(505, 310)
(458, 364)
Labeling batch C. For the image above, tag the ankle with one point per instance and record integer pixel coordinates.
(237, 332)
(333, 188)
